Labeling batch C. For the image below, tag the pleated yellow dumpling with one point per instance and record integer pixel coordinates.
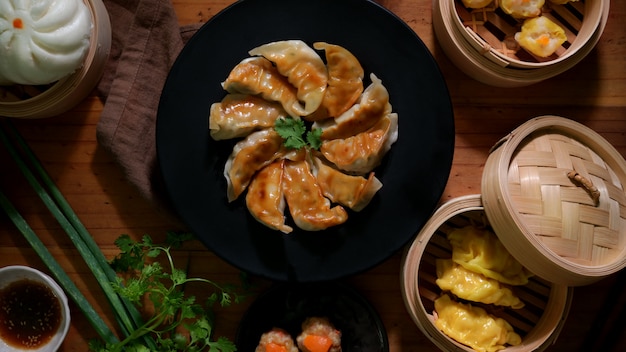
(472, 286)
(473, 326)
(480, 251)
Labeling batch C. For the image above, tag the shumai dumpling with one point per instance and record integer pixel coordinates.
(257, 76)
(473, 326)
(319, 335)
(308, 207)
(476, 4)
(541, 36)
(265, 199)
(345, 81)
(372, 105)
(276, 340)
(522, 8)
(354, 192)
(361, 153)
(237, 115)
(302, 66)
(480, 251)
(472, 286)
(250, 155)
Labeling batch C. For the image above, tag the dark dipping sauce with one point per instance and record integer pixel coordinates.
(30, 314)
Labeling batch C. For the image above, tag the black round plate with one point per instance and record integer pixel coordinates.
(286, 306)
(414, 173)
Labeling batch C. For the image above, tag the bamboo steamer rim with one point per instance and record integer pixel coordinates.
(543, 334)
(591, 21)
(71, 90)
(597, 244)
(497, 73)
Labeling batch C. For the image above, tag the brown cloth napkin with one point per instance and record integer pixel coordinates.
(146, 39)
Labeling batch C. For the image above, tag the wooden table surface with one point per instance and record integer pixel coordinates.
(592, 93)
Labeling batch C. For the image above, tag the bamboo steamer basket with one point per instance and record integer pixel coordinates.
(556, 188)
(481, 43)
(553, 192)
(538, 322)
(59, 97)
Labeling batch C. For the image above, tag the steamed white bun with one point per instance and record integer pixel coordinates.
(42, 41)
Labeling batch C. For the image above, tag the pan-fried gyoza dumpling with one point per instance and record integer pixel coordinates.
(308, 207)
(354, 192)
(302, 66)
(265, 199)
(257, 76)
(480, 250)
(345, 81)
(473, 326)
(372, 105)
(472, 286)
(250, 155)
(237, 115)
(361, 153)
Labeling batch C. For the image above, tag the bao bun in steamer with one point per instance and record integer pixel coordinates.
(40, 101)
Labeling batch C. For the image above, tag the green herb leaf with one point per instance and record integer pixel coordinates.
(293, 132)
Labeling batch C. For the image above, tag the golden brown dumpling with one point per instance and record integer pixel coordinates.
(265, 199)
(237, 115)
(372, 105)
(250, 155)
(302, 66)
(473, 326)
(540, 36)
(257, 76)
(480, 251)
(354, 192)
(472, 286)
(308, 207)
(361, 153)
(345, 81)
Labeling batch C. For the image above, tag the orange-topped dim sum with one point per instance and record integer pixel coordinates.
(540, 36)
(522, 8)
(276, 340)
(319, 335)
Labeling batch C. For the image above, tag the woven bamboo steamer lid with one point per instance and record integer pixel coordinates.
(66, 93)
(485, 63)
(553, 191)
(538, 322)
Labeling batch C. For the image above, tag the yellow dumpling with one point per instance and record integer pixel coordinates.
(540, 36)
(472, 286)
(480, 251)
(473, 326)
(522, 8)
(476, 4)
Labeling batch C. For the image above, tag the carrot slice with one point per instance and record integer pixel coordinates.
(315, 343)
(274, 347)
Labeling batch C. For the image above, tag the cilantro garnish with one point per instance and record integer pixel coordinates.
(294, 131)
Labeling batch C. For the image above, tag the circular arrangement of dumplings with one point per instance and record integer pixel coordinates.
(288, 81)
(42, 41)
(539, 35)
(318, 335)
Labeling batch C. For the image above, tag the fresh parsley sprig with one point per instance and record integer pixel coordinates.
(143, 276)
(295, 134)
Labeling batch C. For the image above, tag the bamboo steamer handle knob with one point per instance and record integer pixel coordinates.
(580, 180)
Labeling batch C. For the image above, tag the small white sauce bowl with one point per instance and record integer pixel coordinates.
(15, 273)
